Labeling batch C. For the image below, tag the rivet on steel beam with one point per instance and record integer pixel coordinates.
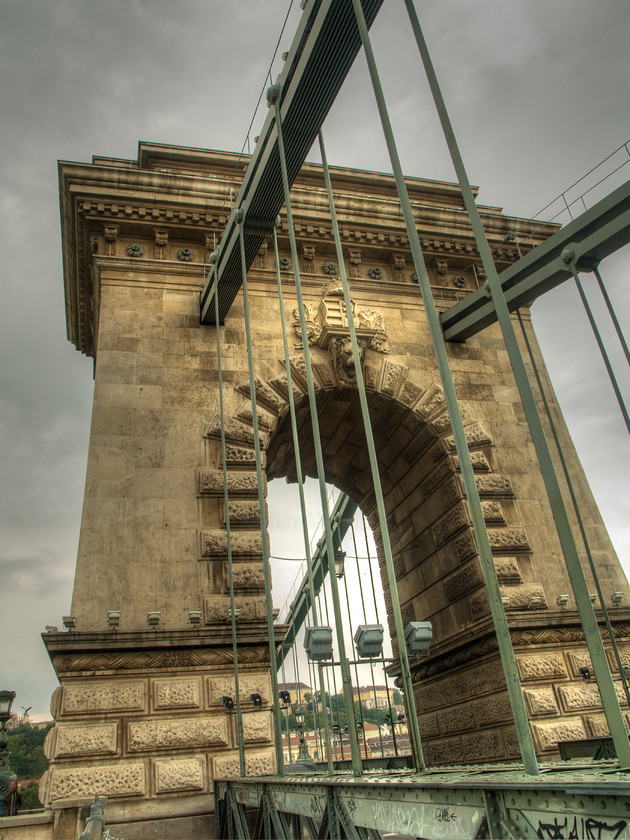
(567, 256)
(238, 216)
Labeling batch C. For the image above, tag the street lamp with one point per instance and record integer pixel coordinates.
(303, 755)
(6, 776)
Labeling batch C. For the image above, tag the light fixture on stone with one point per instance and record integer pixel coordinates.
(418, 635)
(237, 612)
(626, 671)
(585, 673)
(340, 563)
(194, 617)
(562, 601)
(113, 618)
(51, 629)
(593, 597)
(369, 641)
(153, 618)
(616, 598)
(228, 703)
(256, 700)
(69, 622)
(318, 643)
(505, 601)
(534, 603)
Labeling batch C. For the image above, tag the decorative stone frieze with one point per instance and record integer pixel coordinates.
(110, 236)
(354, 258)
(173, 776)
(95, 698)
(176, 694)
(175, 733)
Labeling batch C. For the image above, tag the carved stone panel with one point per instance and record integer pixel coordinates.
(176, 734)
(221, 686)
(176, 694)
(182, 774)
(91, 698)
(547, 735)
(257, 726)
(577, 697)
(85, 740)
(541, 701)
(121, 779)
(543, 667)
(244, 543)
(257, 763)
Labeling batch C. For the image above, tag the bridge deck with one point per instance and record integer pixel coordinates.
(567, 800)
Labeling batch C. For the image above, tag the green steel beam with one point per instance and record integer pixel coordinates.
(325, 45)
(594, 235)
(341, 518)
(567, 801)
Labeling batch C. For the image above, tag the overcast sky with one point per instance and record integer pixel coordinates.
(538, 95)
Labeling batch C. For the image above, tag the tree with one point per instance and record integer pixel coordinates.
(26, 747)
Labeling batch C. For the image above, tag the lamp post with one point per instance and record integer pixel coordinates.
(6, 776)
(303, 755)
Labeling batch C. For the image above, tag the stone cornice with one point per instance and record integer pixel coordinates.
(189, 193)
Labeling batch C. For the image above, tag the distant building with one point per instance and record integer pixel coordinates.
(300, 692)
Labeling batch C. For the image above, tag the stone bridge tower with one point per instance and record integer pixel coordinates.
(138, 713)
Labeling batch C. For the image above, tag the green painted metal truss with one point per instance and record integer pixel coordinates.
(571, 803)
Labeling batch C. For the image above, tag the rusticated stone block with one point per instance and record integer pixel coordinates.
(547, 735)
(112, 780)
(448, 751)
(456, 719)
(244, 514)
(176, 694)
(248, 577)
(579, 659)
(597, 726)
(243, 543)
(181, 774)
(96, 697)
(493, 512)
(546, 666)
(257, 726)
(521, 594)
(449, 524)
(479, 604)
(508, 539)
(476, 436)
(239, 483)
(438, 475)
(462, 581)
(176, 734)
(508, 570)
(433, 400)
(257, 763)
(216, 609)
(465, 546)
(222, 686)
(578, 696)
(482, 746)
(541, 701)
(434, 695)
(494, 485)
(85, 740)
(236, 456)
(492, 711)
(429, 727)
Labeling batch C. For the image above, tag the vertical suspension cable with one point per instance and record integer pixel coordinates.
(298, 459)
(354, 541)
(286, 717)
(504, 641)
(416, 744)
(239, 714)
(610, 702)
(355, 655)
(613, 315)
(383, 666)
(598, 339)
(261, 506)
(575, 503)
(273, 97)
(331, 672)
